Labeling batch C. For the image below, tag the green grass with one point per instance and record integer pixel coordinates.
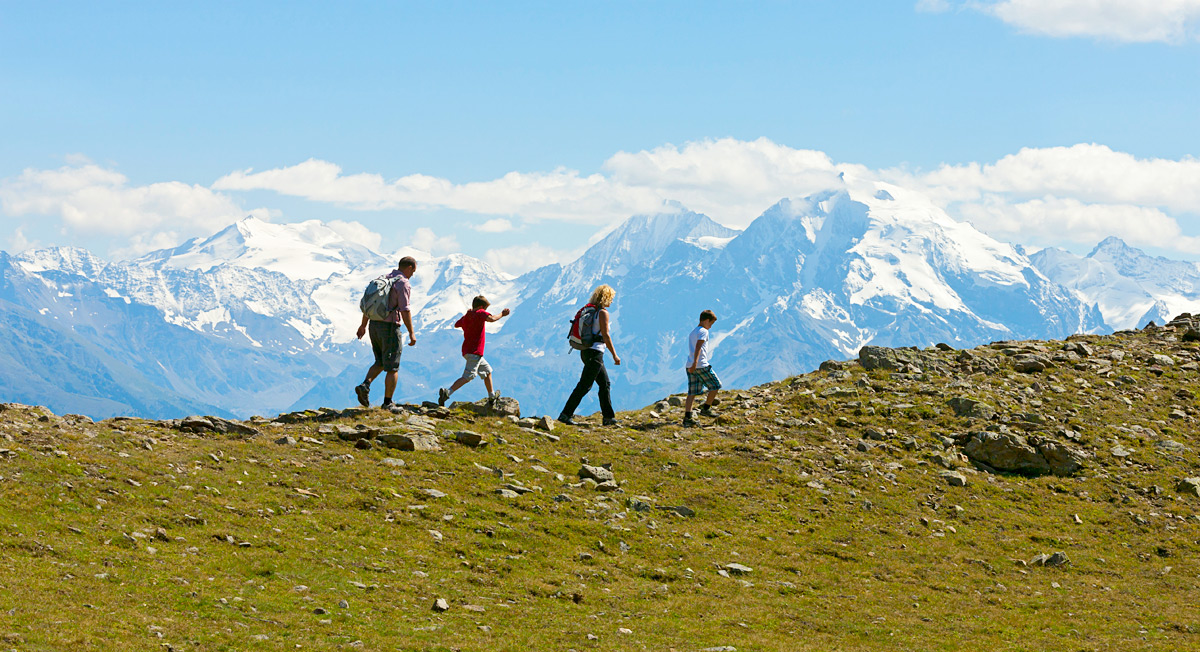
(880, 558)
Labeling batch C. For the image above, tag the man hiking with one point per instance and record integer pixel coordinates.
(385, 306)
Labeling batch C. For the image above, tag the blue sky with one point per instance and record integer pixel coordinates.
(130, 125)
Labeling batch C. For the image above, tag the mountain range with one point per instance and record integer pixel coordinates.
(260, 317)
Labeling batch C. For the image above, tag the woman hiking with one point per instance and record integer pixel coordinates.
(598, 323)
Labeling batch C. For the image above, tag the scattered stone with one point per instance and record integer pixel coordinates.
(409, 442)
(954, 478)
(363, 444)
(434, 493)
(971, 408)
(1120, 451)
(675, 401)
(546, 423)
(440, 605)
(286, 440)
(392, 461)
(608, 485)
(597, 473)
(738, 569)
(1189, 487)
(507, 493)
(468, 438)
(502, 407)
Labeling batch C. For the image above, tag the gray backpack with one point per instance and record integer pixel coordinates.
(374, 302)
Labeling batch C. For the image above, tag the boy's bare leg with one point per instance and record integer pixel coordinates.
(712, 396)
(687, 405)
(487, 383)
(458, 384)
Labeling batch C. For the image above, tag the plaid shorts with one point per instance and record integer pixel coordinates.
(701, 378)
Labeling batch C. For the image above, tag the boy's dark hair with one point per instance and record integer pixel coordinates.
(480, 302)
(708, 314)
(408, 262)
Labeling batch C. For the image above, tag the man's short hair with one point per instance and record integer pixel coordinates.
(480, 302)
(707, 315)
(408, 262)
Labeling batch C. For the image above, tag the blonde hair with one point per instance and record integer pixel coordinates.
(603, 296)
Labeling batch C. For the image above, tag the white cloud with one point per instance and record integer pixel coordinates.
(18, 242)
(730, 180)
(1078, 195)
(1136, 21)
(357, 233)
(524, 258)
(426, 240)
(498, 225)
(94, 199)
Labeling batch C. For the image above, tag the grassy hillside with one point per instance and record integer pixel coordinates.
(815, 513)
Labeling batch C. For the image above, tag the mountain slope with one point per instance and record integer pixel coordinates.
(1129, 287)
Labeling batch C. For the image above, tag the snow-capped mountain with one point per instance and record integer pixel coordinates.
(261, 318)
(1129, 287)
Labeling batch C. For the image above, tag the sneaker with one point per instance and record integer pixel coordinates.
(611, 422)
(707, 411)
(364, 394)
(566, 420)
(688, 421)
(494, 397)
(443, 396)
(387, 404)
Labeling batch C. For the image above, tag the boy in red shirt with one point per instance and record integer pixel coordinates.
(473, 324)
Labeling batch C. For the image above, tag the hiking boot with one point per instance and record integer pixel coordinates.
(387, 404)
(611, 422)
(566, 420)
(707, 411)
(494, 397)
(443, 396)
(364, 394)
(688, 421)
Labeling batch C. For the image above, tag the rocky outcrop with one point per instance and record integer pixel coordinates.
(1033, 456)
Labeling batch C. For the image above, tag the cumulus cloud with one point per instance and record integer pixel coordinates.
(426, 240)
(498, 225)
(524, 258)
(357, 233)
(91, 198)
(730, 180)
(1134, 21)
(1078, 195)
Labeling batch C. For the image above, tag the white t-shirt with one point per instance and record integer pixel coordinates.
(699, 334)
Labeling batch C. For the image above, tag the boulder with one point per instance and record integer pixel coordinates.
(1031, 363)
(880, 357)
(501, 407)
(468, 438)
(1063, 461)
(1006, 452)
(954, 478)
(971, 408)
(1189, 487)
(409, 442)
(597, 473)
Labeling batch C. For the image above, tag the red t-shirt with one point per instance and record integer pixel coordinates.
(472, 324)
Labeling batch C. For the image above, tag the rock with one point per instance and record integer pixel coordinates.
(1189, 487)
(675, 401)
(409, 442)
(363, 444)
(434, 493)
(971, 408)
(1161, 360)
(864, 446)
(1031, 363)
(1063, 461)
(507, 493)
(879, 357)
(286, 440)
(502, 407)
(954, 478)
(195, 424)
(440, 605)
(942, 346)
(346, 433)
(393, 462)
(1006, 452)
(738, 569)
(342, 604)
(546, 423)
(1057, 559)
(1079, 348)
(1120, 451)
(607, 486)
(468, 438)
(597, 473)
(418, 422)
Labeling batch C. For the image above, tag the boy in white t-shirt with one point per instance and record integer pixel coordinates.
(700, 374)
